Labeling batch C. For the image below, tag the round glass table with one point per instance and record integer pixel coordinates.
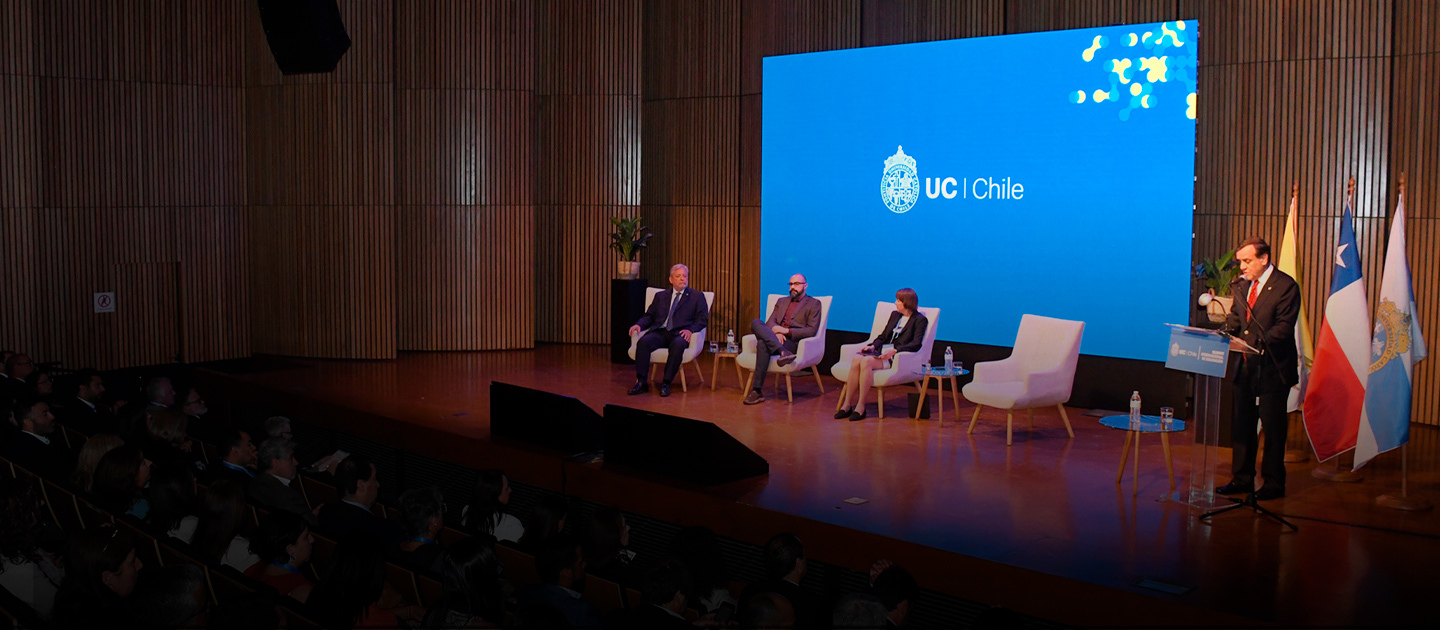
(1147, 424)
(943, 374)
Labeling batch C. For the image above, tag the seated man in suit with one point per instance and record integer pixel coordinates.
(795, 317)
(87, 412)
(17, 367)
(785, 568)
(674, 316)
(35, 448)
(237, 462)
(274, 484)
(663, 591)
(560, 564)
(359, 486)
(199, 428)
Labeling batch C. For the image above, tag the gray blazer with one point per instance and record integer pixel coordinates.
(267, 491)
(806, 321)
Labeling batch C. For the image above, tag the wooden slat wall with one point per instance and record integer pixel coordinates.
(465, 116)
(121, 170)
(320, 212)
(587, 159)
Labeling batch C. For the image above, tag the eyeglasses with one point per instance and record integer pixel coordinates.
(796, 284)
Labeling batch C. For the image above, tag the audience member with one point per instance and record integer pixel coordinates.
(86, 412)
(349, 596)
(39, 386)
(194, 409)
(250, 611)
(486, 512)
(159, 395)
(474, 595)
(119, 479)
(767, 610)
(547, 520)
(277, 427)
(30, 573)
(896, 589)
(560, 565)
(17, 367)
(237, 462)
(662, 590)
(359, 486)
(167, 440)
(283, 545)
(101, 570)
(785, 567)
(224, 521)
(169, 597)
(607, 550)
(860, 610)
(273, 487)
(424, 514)
(33, 447)
(9, 428)
(83, 477)
(697, 548)
(172, 501)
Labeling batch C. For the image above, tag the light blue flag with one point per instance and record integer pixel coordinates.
(1394, 350)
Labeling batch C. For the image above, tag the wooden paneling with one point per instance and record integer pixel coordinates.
(1053, 15)
(1242, 32)
(466, 44)
(465, 147)
(573, 268)
(588, 47)
(692, 150)
(707, 240)
(691, 49)
(798, 26)
(909, 21)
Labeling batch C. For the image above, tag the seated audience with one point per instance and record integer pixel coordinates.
(785, 568)
(359, 486)
(283, 545)
(120, 478)
(167, 441)
(37, 448)
(474, 595)
(607, 552)
(85, 411)
(277, 427)
(767, 610)
(172, 501)
(896, 589)
(169, 597)
(274, 484)
(424, 513)
(349, 596)
(101, 570)
(859, 610)
(30, 573)
(197, 426)
(547, 520)
(245, 612)
(560, 565)
(83, 477)
(237, 462)
(540, 617)
(486, 512)
(39, 386)
(159, 396)
(698, 550)
(223, 525)
(17, 367)
(663, 600)
(9, 428)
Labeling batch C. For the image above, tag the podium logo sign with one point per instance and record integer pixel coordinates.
(899, 185)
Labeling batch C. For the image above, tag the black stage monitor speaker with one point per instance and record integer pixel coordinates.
(551, 420)
(306, 36)
(684, 449)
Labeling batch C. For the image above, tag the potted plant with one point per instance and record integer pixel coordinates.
(1218, 274)
(628, 239)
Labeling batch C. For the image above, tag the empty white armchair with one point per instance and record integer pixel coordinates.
(660, 356)
(904, 368)
(1039, 372)
(808, 353)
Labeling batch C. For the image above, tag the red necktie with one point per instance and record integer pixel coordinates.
(1254, 291)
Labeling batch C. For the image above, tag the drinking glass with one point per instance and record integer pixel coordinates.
(1167, 417)
(714, 347)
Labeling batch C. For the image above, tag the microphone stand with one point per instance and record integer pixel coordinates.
(1250, 501)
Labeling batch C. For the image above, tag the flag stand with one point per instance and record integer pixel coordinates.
(1334, 473)
(1296, 455)
(1404, 501)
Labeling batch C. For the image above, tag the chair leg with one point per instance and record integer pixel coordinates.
(699, 373)
(749, 382)
(818, 382)
(1009, 422)
(789, 393)
(1066, 417)
(651, 377)
(973, 417)
(880, 401)
(683, 388)
(839, 404)
(1030, 415)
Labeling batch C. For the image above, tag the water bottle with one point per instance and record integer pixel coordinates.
(1135, 410)
(730, 340)
(949, 359)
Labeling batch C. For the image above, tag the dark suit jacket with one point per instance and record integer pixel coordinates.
(651, 616)
(691, 312)
(341, 518)
(219, 472)
(267, 491)
(52, 461)
(79, 416)
(806, 321)
(807, 606)
(1269, 326)
(580, 613)
(911, 337)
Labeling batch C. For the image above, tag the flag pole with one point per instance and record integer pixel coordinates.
(1333, 471)
(1404, 501)
(1296, 453)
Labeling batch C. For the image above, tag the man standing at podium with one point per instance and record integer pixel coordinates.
(1267, 305)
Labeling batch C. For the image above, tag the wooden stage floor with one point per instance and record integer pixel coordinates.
(1035, 527)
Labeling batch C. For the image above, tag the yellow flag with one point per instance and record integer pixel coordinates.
(1289, 264)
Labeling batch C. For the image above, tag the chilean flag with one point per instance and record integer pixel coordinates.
(1336, 392)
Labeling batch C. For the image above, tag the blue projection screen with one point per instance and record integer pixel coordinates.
(1048, 173)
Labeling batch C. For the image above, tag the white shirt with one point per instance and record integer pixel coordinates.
(42, 438)
(87, 403)
(283, 481)
(238, 556)
(899, 326)
(34, 583)
(1260, 283)
(185, 530)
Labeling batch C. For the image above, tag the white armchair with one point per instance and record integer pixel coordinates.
(904, 368)
(808, 353)
(697, 342)
(1039, 372)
